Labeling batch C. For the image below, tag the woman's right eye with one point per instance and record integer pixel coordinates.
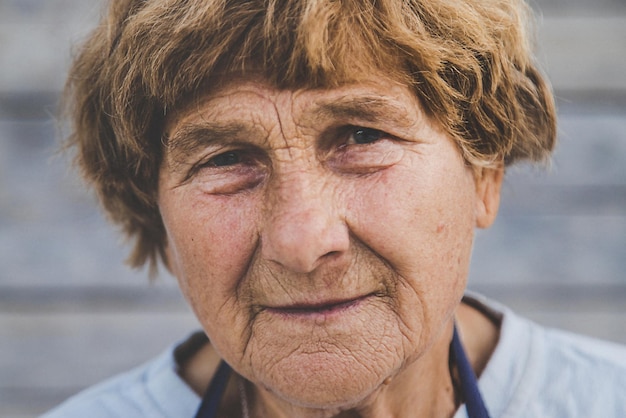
(229, 172)
(225, 159)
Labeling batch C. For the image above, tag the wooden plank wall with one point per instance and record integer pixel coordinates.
(71, 314)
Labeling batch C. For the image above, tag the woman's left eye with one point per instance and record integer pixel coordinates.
(363, 150)
(361, 136)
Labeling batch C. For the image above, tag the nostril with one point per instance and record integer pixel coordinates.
(332, 254)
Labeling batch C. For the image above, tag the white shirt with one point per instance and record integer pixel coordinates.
(534, 372)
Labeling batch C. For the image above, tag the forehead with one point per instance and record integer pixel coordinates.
(250, 100)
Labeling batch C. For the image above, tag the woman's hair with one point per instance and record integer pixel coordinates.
(468, 61)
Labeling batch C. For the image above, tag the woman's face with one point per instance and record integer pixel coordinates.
(322, 237)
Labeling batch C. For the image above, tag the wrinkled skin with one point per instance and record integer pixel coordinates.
(323, 238)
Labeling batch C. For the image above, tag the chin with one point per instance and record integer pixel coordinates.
(329, 380)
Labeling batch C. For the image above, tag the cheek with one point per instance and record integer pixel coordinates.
(211, 241)
(420, 221)
(210, 236)
(413, 218)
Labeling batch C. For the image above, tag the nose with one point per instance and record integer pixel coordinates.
(303, 224)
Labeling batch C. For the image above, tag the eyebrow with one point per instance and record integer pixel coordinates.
(187, 140)
(368, 109)
(190, 138)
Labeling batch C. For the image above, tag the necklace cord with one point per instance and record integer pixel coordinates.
(245, 408)
(468, 383)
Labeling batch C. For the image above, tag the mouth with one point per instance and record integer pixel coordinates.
(324, 309)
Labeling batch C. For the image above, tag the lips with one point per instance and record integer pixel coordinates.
(324, 307)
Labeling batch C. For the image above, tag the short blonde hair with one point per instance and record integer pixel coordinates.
(468, 61)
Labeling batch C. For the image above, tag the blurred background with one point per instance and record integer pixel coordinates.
(72, 314)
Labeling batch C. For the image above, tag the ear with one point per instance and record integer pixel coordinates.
(488, 185)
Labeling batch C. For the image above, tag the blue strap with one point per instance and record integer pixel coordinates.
(213, 396)
(469, 385)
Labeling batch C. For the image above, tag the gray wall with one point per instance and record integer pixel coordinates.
(72, 314)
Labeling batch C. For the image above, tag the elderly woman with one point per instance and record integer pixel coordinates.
(312, 172)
